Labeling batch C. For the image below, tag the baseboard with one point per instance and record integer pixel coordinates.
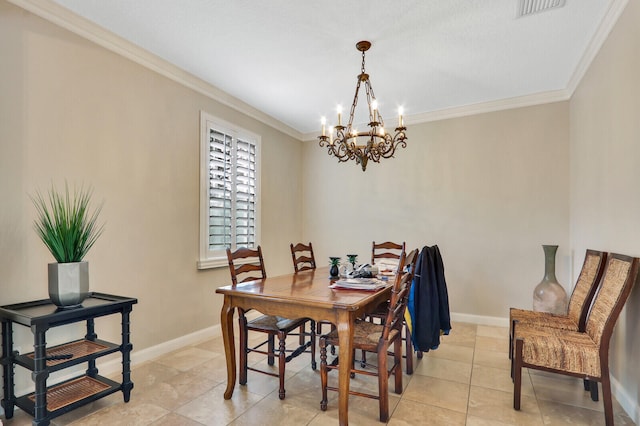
(480, 320)
(629, 404)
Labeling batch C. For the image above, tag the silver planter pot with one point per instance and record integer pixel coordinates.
(68, 283)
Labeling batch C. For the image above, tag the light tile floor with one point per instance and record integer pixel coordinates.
(464, 382)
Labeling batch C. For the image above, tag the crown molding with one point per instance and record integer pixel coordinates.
(64, 18)
(607, 24)
(479, 108)
(68, 20)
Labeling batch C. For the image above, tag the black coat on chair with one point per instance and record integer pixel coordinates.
(429, 301)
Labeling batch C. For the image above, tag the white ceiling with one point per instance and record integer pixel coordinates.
(296, 60)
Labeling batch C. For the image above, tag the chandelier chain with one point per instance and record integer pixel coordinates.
(353, 108)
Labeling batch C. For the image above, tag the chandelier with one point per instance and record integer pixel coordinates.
(346, 143)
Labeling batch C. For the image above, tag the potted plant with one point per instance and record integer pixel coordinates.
(69, 229)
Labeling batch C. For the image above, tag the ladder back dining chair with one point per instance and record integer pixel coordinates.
(391, 251)
(386, 250)
(302, 256)
(250, 264)
(304, 260)
(376, 338)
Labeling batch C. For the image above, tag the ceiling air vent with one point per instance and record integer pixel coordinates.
(529, 7)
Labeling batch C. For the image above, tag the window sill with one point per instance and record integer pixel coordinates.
(217, 262)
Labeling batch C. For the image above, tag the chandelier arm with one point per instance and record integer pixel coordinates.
(344, 152)
(397, 141)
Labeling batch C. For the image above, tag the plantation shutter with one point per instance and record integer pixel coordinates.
(245, 194)
(232, 191)
(220, 190)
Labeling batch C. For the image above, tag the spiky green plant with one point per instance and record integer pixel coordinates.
(65, 224)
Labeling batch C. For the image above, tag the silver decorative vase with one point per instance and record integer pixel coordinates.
(549, 295)
(68, 283)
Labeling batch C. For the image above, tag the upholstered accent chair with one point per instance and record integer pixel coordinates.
(575, 353)
(579, 302)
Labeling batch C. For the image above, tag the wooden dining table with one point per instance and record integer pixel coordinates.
(302, 295)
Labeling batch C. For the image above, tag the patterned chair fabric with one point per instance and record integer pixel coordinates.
(574, 353)
(579, 302)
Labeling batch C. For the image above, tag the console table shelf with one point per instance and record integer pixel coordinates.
(48, 402)
(66, 396)
(77, 352)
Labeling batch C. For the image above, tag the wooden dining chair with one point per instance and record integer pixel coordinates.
(250, 264)
(302, 256)
(304, 260)
(376, 338)
(575, 353)
(386, 250)
(390, 250)
(247, 264)
(579, 304)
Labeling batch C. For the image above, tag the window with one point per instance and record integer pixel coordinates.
(229, 190)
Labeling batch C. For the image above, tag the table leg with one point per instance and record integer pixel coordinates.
(40, 375)
(345, 336)
(7, 369)
(226, 323)
(127, 384)
(91, 335)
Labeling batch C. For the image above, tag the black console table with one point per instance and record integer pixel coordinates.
(48, 402)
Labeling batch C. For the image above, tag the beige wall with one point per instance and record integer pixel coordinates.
(487, 189)
(72, 110)
(605, 172)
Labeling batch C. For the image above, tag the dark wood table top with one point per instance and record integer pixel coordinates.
(307, 288)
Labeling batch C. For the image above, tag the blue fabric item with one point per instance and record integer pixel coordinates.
(410, 308)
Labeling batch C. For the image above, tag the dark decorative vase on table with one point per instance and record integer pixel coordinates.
(334, 272)
(549, 295)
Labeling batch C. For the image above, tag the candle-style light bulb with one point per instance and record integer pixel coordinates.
(339, 115)
(400, 120)
(374, 107)
(331, 135)
(323, 120)
(381, 131)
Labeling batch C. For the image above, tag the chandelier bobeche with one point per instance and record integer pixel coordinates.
(346, 143)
